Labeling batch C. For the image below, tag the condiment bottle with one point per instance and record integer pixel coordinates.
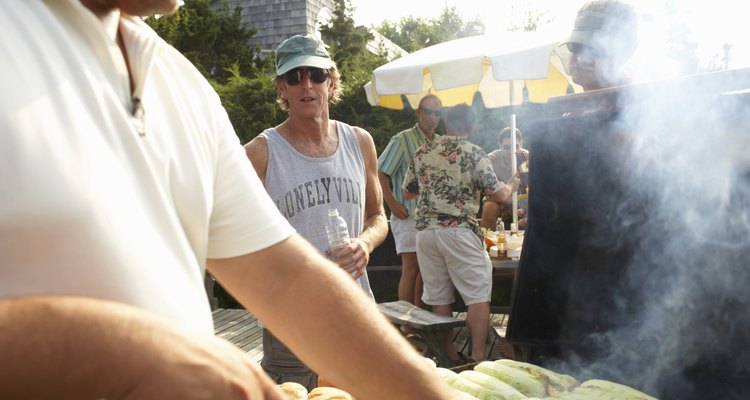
(500, 231)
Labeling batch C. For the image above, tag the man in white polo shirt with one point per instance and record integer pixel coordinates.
(122, 182)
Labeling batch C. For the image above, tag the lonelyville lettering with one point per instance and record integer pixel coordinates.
(318, 192)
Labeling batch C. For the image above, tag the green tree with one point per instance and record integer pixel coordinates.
(527, 19)
(449, 25)
(213, 40)
(250, 103)
(349, 48)
(346, 41)
(412, 33)
(216, 42)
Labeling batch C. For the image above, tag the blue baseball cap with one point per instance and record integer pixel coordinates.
(302, 51)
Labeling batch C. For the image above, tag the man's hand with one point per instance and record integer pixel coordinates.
(505, 194)
(103, 349)
(399, 211)
(522, 219)
(353, 258)
(514, 182)
(210, 368)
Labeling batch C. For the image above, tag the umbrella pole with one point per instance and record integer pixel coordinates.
(513, 161)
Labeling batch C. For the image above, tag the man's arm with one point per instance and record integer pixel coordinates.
(490, 213)
(375, 226)
(398, 209)
(294, 291)
(392, 154)
(410, 186)
(505, 193)
(257, 152)
(69, 347)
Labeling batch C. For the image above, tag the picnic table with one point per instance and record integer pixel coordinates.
(241, 328)
(503, 279)
(432, 327)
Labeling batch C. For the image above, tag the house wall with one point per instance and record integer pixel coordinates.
(276, 20)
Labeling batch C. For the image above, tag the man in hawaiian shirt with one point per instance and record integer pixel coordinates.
(446, 176)
(392, 165)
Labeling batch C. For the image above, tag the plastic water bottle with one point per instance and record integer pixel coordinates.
(500, 231)
(337, 232)
(500, 225)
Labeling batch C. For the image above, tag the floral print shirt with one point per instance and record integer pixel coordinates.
(449, 175)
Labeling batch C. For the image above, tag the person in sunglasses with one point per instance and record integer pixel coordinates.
(310, 164)
(501, 164)
(604, 37)
(392, 165)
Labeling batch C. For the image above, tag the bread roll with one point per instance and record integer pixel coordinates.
(328, 393)
(293, 390)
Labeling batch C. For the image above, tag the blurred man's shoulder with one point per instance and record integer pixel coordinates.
(494, 154)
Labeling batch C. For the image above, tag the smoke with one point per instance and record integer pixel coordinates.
(639, 244)
(653, 227)
(690, 159)
(680, 154)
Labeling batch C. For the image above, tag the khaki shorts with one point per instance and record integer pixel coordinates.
(451, 257)
(404, 234)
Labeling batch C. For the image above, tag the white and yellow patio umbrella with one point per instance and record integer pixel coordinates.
(498, 66)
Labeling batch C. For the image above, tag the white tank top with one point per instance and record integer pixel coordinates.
(304, 188)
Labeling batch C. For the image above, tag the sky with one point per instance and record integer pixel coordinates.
(710, 23)
(495, 14)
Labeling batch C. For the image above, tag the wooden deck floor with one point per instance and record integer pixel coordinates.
(241, 329)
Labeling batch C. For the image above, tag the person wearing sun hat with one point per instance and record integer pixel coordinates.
(604, 37)
(308, 51)
(302, 50)
(329, 163)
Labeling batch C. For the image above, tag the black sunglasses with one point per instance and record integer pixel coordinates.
(429, 112)
(586, 51)
(294, 77)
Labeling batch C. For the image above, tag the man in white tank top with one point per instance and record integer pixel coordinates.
(310, 164)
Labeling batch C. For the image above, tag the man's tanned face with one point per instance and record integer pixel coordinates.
(141, 8)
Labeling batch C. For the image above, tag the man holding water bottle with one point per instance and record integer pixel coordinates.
(310, 164)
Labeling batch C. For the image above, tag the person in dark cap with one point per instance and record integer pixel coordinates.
(604, 37)
(329, 164)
